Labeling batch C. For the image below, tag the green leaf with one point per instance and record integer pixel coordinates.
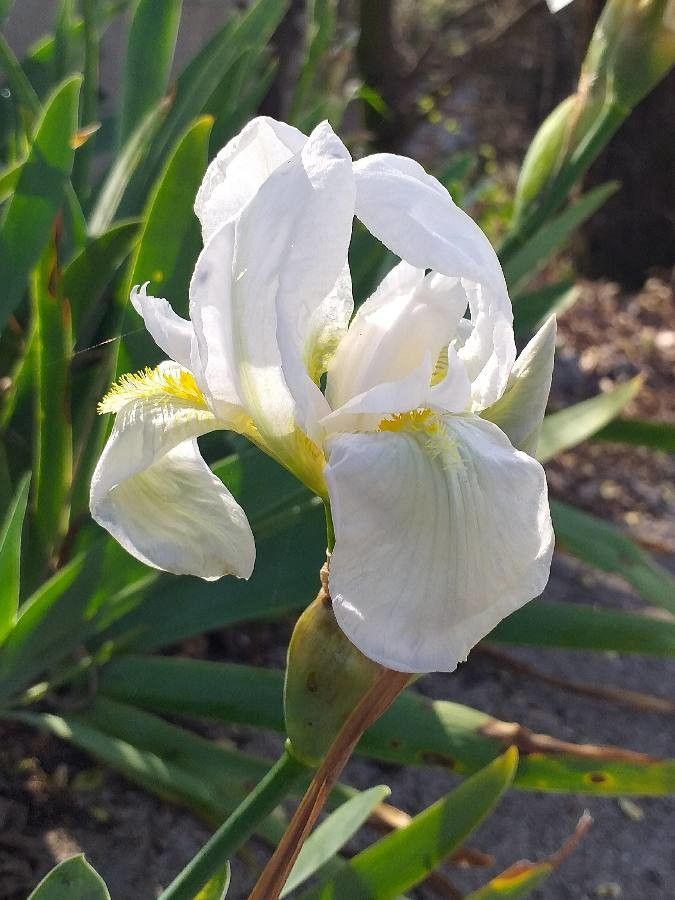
(332, 834)
(51, 624)
(150, 49)
(120, 174)
(640, 433)
(53, 429)
(216, 889)
(602, 545)
(9, 178)
(170, 237)
(576, 423)
(21, 88)
(550, 237)
(10, 556)
(247, 34)
(514, 883)
(530, 310)
(321, 17)
(66, 44)
(74, 879)
(172, 762)
(407, 856)
(5, 7)
(90, 94)
(87, 274)
(574, 626)
(39, 192)
(414, 731)
(524, 876)
(221, 766)
(142, 767)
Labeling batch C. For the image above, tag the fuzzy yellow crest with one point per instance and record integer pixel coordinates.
(425, 424)
(161, 384)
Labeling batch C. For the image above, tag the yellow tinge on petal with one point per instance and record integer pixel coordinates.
(427, 425)
(162, 383)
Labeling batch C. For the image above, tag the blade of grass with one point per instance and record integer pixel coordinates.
(170, 238)
(249, 34)
(120, 174)
(90, 88)
(10, 556)
(414, 731)
(531, 309)
(53, 454)
(39, 193)
(639, 433)
(550, 237)
(406, 857)
(332, 834)
(576, 423)
(605, 547)
(149, 54)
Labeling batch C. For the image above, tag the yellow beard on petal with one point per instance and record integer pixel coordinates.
(151, 384)
(427, 426)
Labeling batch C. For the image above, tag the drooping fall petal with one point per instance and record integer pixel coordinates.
(153, 491)
(442, 529)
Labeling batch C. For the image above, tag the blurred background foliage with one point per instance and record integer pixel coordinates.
(107, 122)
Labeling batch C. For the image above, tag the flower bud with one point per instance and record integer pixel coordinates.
(632, 49)
(326, 676)
(545, 154)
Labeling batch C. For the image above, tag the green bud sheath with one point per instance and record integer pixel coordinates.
(326, 676)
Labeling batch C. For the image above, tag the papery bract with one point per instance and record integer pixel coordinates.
(441, 522)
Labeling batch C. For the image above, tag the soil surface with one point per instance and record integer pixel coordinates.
(55, 801)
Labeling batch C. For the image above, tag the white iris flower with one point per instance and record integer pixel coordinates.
(442, 526)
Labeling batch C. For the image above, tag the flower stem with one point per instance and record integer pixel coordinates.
(274, 787)
(381, 694)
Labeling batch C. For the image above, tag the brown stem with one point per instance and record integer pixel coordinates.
(382, 693)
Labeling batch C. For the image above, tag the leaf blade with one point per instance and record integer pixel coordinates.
(576, 423)
(145, 74)
(73, 878)
(551, 236)
(332, 834)
(10, 556)
(602, 545)
(407, 856)
(38, 194)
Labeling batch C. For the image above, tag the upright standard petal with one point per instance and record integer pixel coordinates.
(290, 247)
(414, 216)
(153, 491)
(478, 537)
(520, 411)
(241, 167)
(211, 315)
(412, 317)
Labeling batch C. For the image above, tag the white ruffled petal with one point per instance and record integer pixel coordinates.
(241, 167)
(411, 317)
(414, 216)
(211, 314)
(291, 246)
(155, 494)
(170, 332)
(440, 533)
(520, 411)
